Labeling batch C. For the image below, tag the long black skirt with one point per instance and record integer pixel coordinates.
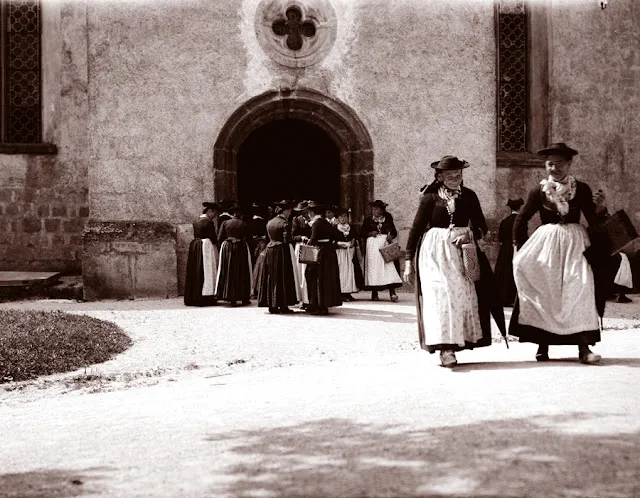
(504, 275)
(195, 277)
(234, 275)
(276, 283)
(323, 280)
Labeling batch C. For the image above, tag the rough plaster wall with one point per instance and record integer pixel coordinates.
(43, 199)
(595, 95)
(164, 80)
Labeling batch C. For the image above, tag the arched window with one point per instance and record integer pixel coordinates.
(521, 81)
(21, 74)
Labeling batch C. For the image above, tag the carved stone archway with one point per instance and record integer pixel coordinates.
(337, 119)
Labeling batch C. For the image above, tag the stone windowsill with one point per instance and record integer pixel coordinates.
(519, 159)
(34, 149)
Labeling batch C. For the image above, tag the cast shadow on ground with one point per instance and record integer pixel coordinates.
(555, 362)
(541, 456)
(371, 315)
(51, 483)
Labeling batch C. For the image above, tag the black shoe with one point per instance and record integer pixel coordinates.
(374, 296)
(543, 353)
(624, 299)
(274, 311)
(246, 303)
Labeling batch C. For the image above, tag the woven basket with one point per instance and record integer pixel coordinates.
(470, 261)
(391, 252)
(309, 255)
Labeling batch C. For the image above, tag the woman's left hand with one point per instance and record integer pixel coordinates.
(461, 239)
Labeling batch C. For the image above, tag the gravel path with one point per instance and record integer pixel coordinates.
(173, 340)
(358, 411)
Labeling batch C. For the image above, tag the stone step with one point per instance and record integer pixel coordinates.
(56, 287)
(27, 278)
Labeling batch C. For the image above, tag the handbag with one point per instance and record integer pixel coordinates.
(309, 255)
(391, 252)
(619, 231)
(470, 261)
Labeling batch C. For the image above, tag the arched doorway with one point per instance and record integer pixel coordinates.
(265, 115)
(288, 159)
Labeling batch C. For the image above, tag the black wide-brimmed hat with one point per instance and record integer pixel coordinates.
(515, 203)
(450, 163)
(559, 148)
(211, 205)
(301, 206)
(378, 203)
(284, 204)
(317, 206)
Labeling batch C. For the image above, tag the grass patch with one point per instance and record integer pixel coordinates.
(34, 343)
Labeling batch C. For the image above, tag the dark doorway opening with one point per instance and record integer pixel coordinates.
(288, 159)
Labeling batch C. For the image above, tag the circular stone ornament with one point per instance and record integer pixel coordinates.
(296, 33)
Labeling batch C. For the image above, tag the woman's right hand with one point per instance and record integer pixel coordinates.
(408, 272)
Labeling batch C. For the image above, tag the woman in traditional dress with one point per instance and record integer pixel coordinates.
(504, 263)
(378, 230)
(447, 302)
(300, 230)
(276, 282)
(347, 260)
(234, 274)
(556, 294)
(202, 262)
(323, 279)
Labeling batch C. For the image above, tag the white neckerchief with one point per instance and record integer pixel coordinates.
(256, 217)
(203, 216)
(314, 219)
(345, 229)
(449, 196)
(379, 219)
(560, 193)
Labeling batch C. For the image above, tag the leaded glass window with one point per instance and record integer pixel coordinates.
(21, 71)
(512, 75)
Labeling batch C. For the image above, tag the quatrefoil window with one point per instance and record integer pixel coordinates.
(294, 28)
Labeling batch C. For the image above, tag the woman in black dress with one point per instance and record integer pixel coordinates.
(202, 261)
(234, 274)
(556, 293)
(447, 301)
(323, 279)
(504, 263)
(276, 282)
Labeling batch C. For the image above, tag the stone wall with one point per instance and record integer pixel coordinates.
(44, 198)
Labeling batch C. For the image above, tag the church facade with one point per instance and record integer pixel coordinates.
(121, 117)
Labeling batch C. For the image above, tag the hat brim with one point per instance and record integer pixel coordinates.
(566, 152)
(437, 167)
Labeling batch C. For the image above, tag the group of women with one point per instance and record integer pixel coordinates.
(234, 259)
(554, 281)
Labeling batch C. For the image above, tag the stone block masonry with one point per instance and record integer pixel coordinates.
(128, 260)
(41, 229)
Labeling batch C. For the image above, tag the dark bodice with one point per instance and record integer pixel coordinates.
(505, 232)
(385, 228)
(322, 230)
(234, 228)
(300, 228)
(432, 213)
(258, 227)
(278, 230)
(204, 228)
(341, 237)
(537, 202)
